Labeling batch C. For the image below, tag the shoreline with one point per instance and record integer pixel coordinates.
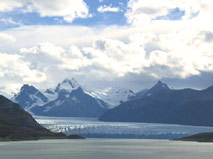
(71, 137)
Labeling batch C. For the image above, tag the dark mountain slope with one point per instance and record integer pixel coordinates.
(68, 99)
(16, 124)
(29, 96)
(203, 137)
(187, 106)
(159, 86)
(71, 104)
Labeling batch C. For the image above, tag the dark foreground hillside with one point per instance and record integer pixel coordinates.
(203, 137)
(16, 124)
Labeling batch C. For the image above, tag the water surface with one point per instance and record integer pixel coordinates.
(105, 149)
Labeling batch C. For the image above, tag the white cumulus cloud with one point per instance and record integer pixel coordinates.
(67, 9)
(155, 48)
(105, 8)
(6, 36)
(143, 11)
(10, 21)
(14, 68)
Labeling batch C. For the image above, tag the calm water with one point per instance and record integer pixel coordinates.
(105, 149)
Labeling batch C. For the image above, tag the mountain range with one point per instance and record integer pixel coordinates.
(161, 104)
(186, 106)
(67, 99)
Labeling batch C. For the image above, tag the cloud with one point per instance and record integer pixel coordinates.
(179, 53)
(147, 47)
(105, 8)
(11, 22)
(116, 56)
(64, 36)
(52, 55)
(67, 9)
(157, 55)
(7, 41)
(168, 49)
(9, 5)
(143, 11)
(154, 52)
(7, 37)
(14, 68)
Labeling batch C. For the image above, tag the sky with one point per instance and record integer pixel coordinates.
(104, 43)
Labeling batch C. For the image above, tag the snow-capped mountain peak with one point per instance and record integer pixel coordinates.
(161, 85)
(68, 85)
(157, 87)
(67, 99)
(51, 94)
(49, 91)
(29, 89)
(29, 97)
(114, 96)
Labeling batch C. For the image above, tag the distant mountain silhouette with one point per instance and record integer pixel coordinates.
(72, 104)
(163, 105)
(68, 99)
(29, 97)
(159, 86)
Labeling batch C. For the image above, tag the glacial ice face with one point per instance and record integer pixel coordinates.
(91, 127)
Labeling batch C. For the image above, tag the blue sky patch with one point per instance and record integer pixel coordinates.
(174, 14)
(97, 18)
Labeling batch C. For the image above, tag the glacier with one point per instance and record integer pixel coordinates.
(92, 128)
(113, 96)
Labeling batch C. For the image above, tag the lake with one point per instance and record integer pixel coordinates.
(105, 149)
(92, 128)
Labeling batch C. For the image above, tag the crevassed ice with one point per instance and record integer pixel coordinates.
(90, 126)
